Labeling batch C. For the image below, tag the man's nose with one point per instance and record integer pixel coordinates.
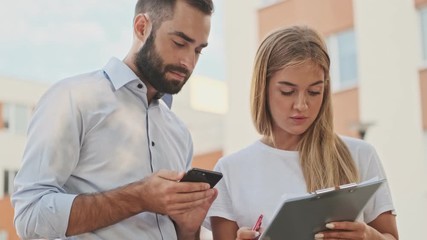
(188, 61)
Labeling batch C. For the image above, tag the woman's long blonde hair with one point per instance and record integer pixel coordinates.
(325, 159)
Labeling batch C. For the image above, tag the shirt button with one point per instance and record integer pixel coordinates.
(152, 143)
(139, 85)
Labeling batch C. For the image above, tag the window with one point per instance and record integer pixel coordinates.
(8, 178)
(3, 235)
(263, 3)
(423, 18)
(16, 117)
(5, 115)
(21, 118)
(343, 53)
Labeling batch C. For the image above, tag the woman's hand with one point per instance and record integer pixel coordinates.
(351, 230)
(246, 233)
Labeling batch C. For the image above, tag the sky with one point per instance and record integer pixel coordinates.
(47, 40)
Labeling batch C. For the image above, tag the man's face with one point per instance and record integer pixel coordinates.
(171, 52)
(153, 68)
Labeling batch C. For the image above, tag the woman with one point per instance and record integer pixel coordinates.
(299, 151)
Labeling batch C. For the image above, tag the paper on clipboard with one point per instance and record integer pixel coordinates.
(302, 217)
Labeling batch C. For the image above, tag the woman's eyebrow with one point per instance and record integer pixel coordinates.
(294, 85)
(317, 83)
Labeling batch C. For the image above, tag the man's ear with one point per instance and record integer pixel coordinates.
(142, 26)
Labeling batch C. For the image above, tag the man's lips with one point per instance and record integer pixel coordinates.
(179, 75)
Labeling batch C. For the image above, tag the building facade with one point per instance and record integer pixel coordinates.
(17, 99)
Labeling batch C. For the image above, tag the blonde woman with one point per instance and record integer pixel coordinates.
(299, 151)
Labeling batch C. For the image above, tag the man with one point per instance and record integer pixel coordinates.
(105, 154)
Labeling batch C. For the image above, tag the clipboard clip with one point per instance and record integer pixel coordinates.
(322, 191)
(325, 190)
(348, 185)
(331, 189)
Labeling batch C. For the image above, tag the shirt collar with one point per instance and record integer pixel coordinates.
(119, 73)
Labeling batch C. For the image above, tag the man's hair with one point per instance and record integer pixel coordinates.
(161, 10)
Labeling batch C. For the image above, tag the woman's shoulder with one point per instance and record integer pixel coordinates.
(248, 152)
(365, 156)
(356, 144)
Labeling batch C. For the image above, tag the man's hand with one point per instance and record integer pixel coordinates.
(188, 223)
(186, 203)
(162, 193)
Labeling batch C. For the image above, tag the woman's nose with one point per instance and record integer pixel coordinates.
(301, 103)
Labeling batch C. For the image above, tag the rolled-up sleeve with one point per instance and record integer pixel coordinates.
(42, 205)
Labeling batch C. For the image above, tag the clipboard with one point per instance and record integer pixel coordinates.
(302, 217)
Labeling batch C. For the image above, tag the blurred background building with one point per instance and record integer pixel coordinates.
(17, 99)
(379, 74)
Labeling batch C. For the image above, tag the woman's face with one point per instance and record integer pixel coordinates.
(295, 98)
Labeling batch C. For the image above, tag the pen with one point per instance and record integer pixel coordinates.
(257, 225)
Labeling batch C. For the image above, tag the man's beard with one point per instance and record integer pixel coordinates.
(152, 68)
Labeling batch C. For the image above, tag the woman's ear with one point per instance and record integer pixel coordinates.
(142, 26)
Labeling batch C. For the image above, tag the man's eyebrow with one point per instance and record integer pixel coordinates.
(187, 38)
(294, 85)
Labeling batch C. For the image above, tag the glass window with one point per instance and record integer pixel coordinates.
(423, 17)
(343, 53)
(6, 182)
(21, 117)
(8, 178)
(16, 117)
(267, 2)
(5, 115)
(347, 58)
(3, 235)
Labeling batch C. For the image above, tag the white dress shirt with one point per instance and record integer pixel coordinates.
(92, 133)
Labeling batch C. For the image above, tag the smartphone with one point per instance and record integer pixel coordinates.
(202, 175)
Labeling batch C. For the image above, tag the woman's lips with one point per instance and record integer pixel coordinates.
(299, 119)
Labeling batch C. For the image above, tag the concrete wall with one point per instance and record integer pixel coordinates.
(423, 92)
(241, 34)
(389, 55)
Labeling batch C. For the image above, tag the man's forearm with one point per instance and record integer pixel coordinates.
(90, 212)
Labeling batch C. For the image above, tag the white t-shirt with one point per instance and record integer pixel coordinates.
(257, 179)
